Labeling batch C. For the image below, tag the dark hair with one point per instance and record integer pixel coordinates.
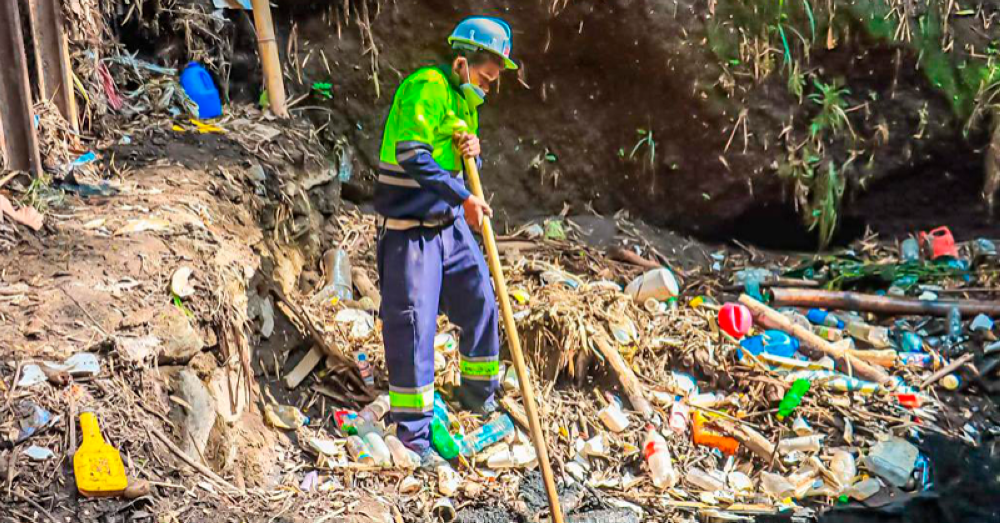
(475, 57)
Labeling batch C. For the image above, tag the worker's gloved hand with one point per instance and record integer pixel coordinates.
(468, 144)
(475, 208)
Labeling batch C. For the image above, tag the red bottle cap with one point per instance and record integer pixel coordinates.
(735, 320)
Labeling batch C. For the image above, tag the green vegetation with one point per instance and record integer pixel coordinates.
(832, 115)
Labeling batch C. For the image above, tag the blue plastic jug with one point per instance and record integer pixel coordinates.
(772, 342)
(199, 87)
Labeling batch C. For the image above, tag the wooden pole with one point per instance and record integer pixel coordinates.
(514, 341)
(17, 131)
(269, 57)
(633, 388)
(810, 342)
(854, 301)
(55, 77)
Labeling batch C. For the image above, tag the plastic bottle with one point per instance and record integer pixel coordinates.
(954, 324)
(801, 444)
(877, 337)
(772, 342)
(703, 480)
(661, 466)
(346, 167)
(342, 284)
(828, 333)
(347, 421)
(487, 435)
(907, 341)
(441, 437)
(863, 490)
(402, 457)
(792, 398)
(922, 360)
(843, 467)
(376, 410)
(200, 87)
(909, 251)
(285, 416)
(359, 450)
(365, 367)
(703, 435)
(379, 450)
(825, 318)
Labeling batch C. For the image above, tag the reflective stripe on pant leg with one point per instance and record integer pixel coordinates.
(414, 400)
(468, 300)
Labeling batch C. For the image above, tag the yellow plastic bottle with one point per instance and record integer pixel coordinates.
(98, 466)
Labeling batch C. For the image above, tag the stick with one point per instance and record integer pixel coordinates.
(880, 304)
(811, 343)
(269, 57)
(776, 282)
(627, 256)
(946, 370)
(33, 503)
(207, 472)
(633, 388)
(514, 342)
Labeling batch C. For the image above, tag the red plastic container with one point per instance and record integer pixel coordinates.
(940, 243)
(735, 320)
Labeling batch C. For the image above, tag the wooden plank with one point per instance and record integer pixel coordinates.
(16, 115)
(304, 367)
(55, 81)
(635, 391)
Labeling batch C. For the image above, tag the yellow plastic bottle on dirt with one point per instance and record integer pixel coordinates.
(98, 466)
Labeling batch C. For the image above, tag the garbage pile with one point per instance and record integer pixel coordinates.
(742, 400)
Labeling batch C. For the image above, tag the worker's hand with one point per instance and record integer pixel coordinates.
(475, 208)
(468, 144)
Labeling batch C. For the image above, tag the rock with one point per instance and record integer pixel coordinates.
(197, 416)
(137, 350)
(224, 404)
(180, 339)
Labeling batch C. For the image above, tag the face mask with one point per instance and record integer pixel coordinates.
(474, 95)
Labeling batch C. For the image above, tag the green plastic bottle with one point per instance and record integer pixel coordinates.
(792, 398)
(442, 440)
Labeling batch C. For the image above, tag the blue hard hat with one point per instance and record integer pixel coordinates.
(484, 33)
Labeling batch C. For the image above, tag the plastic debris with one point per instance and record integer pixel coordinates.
(892, 460)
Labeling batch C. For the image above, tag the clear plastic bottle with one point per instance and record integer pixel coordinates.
(878, 337)
(661, 465)
(402, 457)
(285, 416)
(487, 435)
(954, 324)
(802, 444)
(343, 286)
(703, 480)
(359, 450)
(843, 467)
(376, 410)
(379, 450)
(365, 367)
(680, 413)
(863, 490)
(909, 251)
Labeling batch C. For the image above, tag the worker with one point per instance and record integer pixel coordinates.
(428, 259)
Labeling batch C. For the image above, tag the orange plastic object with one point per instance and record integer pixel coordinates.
(98, 466)
(735, 320)
(940, 243)
(705, 436)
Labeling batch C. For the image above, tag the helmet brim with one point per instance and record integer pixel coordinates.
(508, 64)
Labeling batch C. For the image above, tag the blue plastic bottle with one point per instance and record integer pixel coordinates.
(772, 342)
(199, 87)
(822, 317)
(487, 435)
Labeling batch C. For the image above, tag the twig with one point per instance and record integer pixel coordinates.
(33, 503)
(207, 472)
(85, 311)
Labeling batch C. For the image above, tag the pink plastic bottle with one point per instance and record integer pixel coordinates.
(661, 466)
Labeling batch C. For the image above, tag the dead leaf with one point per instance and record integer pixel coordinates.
(26, 215)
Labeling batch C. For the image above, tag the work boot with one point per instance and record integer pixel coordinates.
(469, 402)
(430, 460)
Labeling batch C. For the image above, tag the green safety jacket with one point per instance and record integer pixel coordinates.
(420, 168)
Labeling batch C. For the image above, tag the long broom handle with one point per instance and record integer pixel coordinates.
(514, 341)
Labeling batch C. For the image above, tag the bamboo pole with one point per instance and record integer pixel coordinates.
(854, 301)
(269, 57)
(514, 341)
(811, 343)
